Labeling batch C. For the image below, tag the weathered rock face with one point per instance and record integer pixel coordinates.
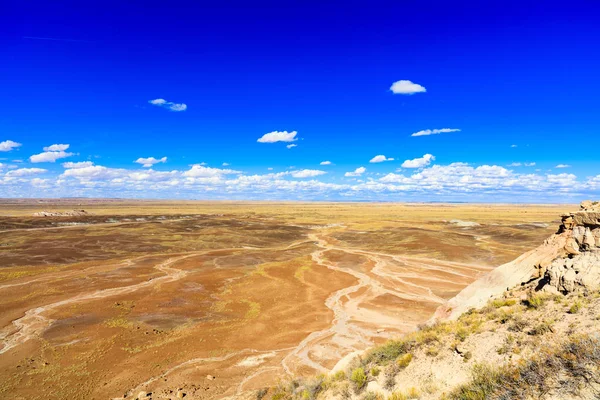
(580, 273)
(580, 269)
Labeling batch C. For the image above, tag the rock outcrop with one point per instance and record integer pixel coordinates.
(72, 213)
(567, 261)
(580, 269)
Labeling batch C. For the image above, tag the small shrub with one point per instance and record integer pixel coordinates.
(358, 378)
(397, 396)
(404, 360)
(534, 301)
(504, 316)
(372, 396)
(375, 371)
(558, 299)
(542, 328)
(432, 351)
(503, 303)
(467, 356)
(261, 393)
(390, 376)
(518, 324)
(278, 396)
(313, 387)
(575, 307)
(342, 389)
(413, 393)
(428, 337)
(339, 376)
(387, 352)
(507, 347)
(462, 334)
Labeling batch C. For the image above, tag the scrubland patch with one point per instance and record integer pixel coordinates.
(511, 348)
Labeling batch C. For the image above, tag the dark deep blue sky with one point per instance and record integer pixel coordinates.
(504, 73)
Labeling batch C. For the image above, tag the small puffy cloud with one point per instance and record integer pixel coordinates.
(529, 164)
(225, 164)
(178, 107)
(277, 136)
(357, 172)
(75, 165)
(289, 146)
(419, 162)
(563, 166)
(515, 164)
(150, 161)
(168, 105)
(380, 158)
(325, 162)
(26, 171)
(51, 154)
(513, 145)
(9, 145)
(307, 173)
(406, 87)
(428, 132)
(57, 147)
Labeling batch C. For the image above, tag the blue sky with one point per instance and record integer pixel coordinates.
(514, 86)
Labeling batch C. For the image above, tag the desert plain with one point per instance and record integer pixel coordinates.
(219, 299)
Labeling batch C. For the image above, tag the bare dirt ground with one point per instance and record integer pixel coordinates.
(218, 299)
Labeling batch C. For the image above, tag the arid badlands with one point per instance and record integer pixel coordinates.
(106, 299)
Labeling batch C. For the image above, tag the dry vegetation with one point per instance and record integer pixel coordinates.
(157, 296)
(523, 346)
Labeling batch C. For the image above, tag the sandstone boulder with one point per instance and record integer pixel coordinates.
(571, 246)
(589, 205)
(580, 273)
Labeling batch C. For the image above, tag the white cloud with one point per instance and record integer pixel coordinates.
(515, 164)
(307, 173)
(150, 161)
(289, 146)
(199, 171)
(168, 104)
(81, 164)
(419, 162)
(428, 132)
(225, 164)
(530, 164)
(57, 147)
(51, 154)
(277, 136)
(325, 162)
(406, 87)
(40, 182)
(563, 166)
(25, 171)
(9, 145)
(380, 158)
(357, 172)
(513, 145)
